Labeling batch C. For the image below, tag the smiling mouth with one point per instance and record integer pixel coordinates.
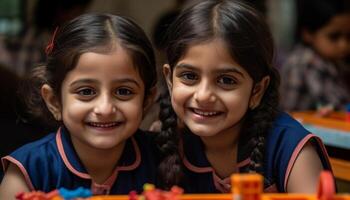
(104, 124)
(205, 113)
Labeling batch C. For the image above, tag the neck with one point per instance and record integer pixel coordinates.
(222, 141)
(100, 163)
(221, 151)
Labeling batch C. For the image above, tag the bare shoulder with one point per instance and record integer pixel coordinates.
(12, 183)
(305, 172)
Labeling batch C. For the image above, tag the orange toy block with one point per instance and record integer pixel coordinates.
(244, 187)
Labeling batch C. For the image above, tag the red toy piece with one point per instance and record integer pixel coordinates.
(37, 195)
(326, 188)
(133, 195)
(150, 193)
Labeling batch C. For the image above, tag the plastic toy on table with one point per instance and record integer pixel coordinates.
(60, 194)
(347, 118)
(245, 187)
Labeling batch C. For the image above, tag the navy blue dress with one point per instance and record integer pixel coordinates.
(52, 163)
(283, 143)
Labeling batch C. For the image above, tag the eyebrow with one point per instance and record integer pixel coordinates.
(226, 69)
(185, 66)
(92, 81)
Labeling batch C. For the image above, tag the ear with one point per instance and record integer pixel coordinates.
(51, 101)
(307, 36)
(258, 92)
(168, 76)
(149, 99)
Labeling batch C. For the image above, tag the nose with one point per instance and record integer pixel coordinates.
(104, 106)
(343, 44)
(205, 93)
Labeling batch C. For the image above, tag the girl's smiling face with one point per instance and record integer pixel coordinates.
(210, 91)
(102, 99)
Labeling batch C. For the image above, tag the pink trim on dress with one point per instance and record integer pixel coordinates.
(188, 164)
(21, 167)
(223, 185)
(243, 163)
(137, 159)
(65, 159)
(133, 166)
(4, 164)
(324, 151)
(195, 168)
(107, 185)
(296, 152)
(271, 189)
(98, 189)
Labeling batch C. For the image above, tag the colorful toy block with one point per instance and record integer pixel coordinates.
(244, 187)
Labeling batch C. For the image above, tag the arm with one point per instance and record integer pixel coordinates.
(12, 183)
(305, 172)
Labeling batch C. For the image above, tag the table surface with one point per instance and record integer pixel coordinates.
(334, 130)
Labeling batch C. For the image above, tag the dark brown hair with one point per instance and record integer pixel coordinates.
(97, 33)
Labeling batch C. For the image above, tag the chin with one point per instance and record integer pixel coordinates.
(105, 145)
(202, 132)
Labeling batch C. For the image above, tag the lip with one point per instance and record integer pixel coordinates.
(104, 126)
(200, 115)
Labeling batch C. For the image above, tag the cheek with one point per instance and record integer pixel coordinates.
(236, 100)
(179, 96)
(132, 109)
(176, 103)
(326, 47)
(73, 109)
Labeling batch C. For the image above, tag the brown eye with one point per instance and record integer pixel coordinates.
(86, 92)
(334, 36)
(226, 80)
(189, 76)
(123, 91)
(124, 94)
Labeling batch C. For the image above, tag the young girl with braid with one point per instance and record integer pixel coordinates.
(222, 114)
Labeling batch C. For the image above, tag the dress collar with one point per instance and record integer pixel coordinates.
(129, 160)
(194, 157)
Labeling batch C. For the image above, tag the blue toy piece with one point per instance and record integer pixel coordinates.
(71, 194)
(347, 107)
(347, 117)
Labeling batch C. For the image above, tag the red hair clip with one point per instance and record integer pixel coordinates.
(50, 46)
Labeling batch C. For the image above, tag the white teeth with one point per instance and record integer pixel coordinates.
(205, 113)
(103, 125)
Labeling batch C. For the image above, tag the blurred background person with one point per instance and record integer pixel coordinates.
(315, 75)
(47, 16)
(16, 131)
(28, 51)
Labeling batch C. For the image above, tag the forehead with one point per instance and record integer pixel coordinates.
(339, 23)
(210, 56)
(105, 66)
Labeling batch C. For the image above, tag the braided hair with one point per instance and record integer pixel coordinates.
(249, 42)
